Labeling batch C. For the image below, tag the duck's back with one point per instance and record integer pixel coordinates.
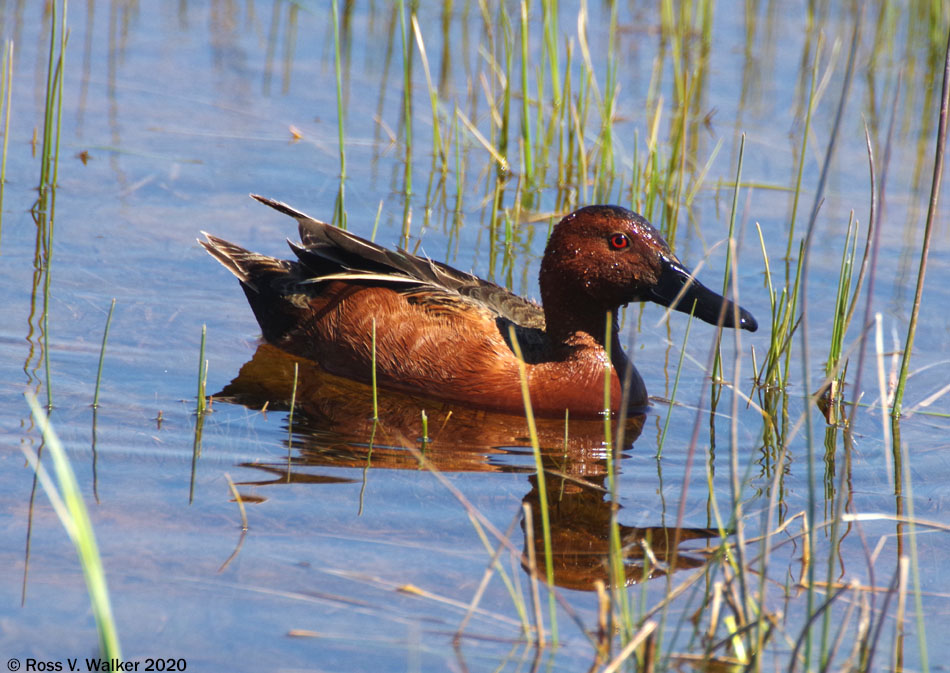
(437, 329)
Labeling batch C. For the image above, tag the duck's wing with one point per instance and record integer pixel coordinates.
(331, 253)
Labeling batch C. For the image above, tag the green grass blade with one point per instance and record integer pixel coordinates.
(928, 231)
(68, 502)
(339, 213)
(102, 354)
(542, 490)
(6, 96)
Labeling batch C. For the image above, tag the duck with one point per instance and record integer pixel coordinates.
(434, 331)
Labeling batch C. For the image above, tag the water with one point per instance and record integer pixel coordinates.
(357, 558)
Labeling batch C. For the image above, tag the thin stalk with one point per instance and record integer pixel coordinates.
(425, 429)
(505, 125)
(542, 490)
(549, 19)
(928, 231)
(202, 371)
(45, 206)
(874, 223)
(339, 213)
(293, 405)
(717, 362)
(102, 354)
(379, 211)
(6, 92)
(605, 166)
(407, 111)
(808, 400)
(532, 566)
(611, 449)
(513, 591)
(676, 381)
(239, 500)
(60, 74)
(801, 158)
(46, 309)
(909, 496)
(373, 374)
(526, 146)
(433, 97)
(50, 94)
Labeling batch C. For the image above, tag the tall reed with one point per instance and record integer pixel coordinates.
(928, 231)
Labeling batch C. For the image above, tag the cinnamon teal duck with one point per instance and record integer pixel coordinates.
(444, 333)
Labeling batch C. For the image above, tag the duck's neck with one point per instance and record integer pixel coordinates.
(578, 323)
(587, 340)
(593, 322)
(584, 333)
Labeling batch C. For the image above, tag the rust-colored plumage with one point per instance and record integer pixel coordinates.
(444, 333)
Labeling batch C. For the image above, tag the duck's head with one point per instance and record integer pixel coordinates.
(602, 257)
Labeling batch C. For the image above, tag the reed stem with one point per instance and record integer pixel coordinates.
(928, 232)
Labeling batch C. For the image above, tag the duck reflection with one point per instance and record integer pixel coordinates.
(580, 536)
(333, 427)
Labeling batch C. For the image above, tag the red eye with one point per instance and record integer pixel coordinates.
(619, 241)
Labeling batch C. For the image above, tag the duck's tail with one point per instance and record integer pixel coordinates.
(267, 282)
(249, 267)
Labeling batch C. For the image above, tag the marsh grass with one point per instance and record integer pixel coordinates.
(542, 122)
(53, 107)
(44, 208)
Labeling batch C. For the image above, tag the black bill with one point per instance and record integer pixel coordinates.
(698, 299)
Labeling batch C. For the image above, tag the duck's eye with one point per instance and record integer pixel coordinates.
(619, 241)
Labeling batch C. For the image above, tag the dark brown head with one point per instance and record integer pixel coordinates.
(602, 257)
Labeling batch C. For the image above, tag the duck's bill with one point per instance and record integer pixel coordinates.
(698, 299)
